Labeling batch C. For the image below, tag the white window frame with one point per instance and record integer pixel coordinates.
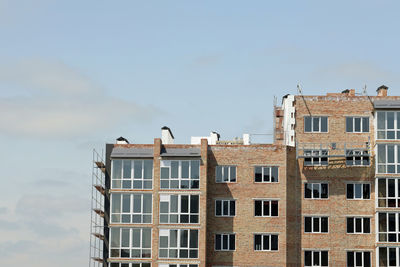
(357, 153)
(313, 226)
(386, 164)
(167, 198)
(222, 201)
(131, 211)
(130, 247)
(229, 235)
(262, 207)
(319, 187)
(231, 178)
(312, 258)
(180, 180)
(129, 264)
(265, 169)
(362, 190)
(386, 130)
(167, 233)
(131, 177)
(388, 248)
(269, 241)
(387, 198)
(315, 155)
(353, 118)
(355, 252)
(395, 233)
(355, 218)
(319, 124)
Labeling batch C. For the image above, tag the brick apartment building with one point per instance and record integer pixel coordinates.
(325, 193)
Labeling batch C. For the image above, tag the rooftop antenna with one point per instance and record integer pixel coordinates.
(366, 94)
(300, 92)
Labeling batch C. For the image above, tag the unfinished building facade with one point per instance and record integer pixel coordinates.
(325, 193)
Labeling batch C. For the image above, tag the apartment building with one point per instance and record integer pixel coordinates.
(325, 193)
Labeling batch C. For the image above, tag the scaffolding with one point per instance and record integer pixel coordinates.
(96, 257)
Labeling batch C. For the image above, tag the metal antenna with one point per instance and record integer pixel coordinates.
(366, 94)
(300, 92)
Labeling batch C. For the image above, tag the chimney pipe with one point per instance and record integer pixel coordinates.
(166, 136)
(382, 90)
(122, 141)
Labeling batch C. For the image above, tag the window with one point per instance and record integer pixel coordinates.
(316, 190)
(130, 242)
(388, 125)
(266, 174)
(357, 124)
(389, 192)
(131, 208)
(358, 225)
(316, 224)
(388, 227)
(388, 158)
(224, 242)
(132, 174)
(358, 259)
(135, 264)
(357, 157)
(315, 124)
(177, 265)
(225, 174)
(179, 208)
(315, 157)
(179, 243)
(316, 258)
(358, 191)
(389, 256)
(225, 208)
(180, 174)
(266, 208)
(265, 242)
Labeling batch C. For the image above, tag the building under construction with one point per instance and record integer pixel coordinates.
(326, 192)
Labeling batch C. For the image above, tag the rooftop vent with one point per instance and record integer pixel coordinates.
(121, 140)
(166, 136)
(350, 92)
(382, 90)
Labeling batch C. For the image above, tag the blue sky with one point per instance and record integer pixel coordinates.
(77, 74)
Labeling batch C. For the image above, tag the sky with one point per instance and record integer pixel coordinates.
(75, 75)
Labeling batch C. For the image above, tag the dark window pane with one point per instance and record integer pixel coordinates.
(195, 169)
(274, 174)
(367, 259)
(324, 191)
(392, 257)
(225, 242)
(357, 191)
(307, 124)
(258, 208)
(185, 169)
(316, 225)
(274, 242)
(225, 207)
(358, 225)
(232, 208)
(316, 257)
(382, 256)
(367, 225)
(324, 258)
(266, 177)
(218, 242)
(194, 239)
(365, 126)
(194, 204)
(307, 190)
(324, 124)
(137, 168)
(324, 225)
(258, 174)
(350, 193)
(257, 242)
(266, 208)
(266, 242)
(274, 208)
(231, 242)
(357, 125)
(307, 224)
(350, 259)
(185, 204)
(349, 124)
(358, 258)
(174, 169)
(307, 258)
(316, 190)
(350, 225)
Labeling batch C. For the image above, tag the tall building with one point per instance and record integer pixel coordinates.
(325, 193)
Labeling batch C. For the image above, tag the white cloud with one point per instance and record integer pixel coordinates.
(62, 102)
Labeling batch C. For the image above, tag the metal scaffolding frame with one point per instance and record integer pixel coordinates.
(97, 211)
